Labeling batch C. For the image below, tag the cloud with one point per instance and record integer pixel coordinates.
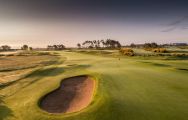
(169, 29)
(184, 28)
(177, 24)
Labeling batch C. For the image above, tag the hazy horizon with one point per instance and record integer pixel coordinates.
(39, 23)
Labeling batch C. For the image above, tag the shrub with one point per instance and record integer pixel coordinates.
(9, 55)
(43, 53)
(148, 49)
(160, 50)
(179, 54)
(127, 51)
(183, 47)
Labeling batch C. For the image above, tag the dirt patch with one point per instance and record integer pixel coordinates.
(74, 94)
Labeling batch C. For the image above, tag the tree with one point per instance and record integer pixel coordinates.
(98, 43)
(85, 43)
(24, 47)
(117, 44)
(91, 44)
(112, 43)
(132, 45)
(56, 47)
(150, 45)
(30, 48)
(79, 45)
(103, 43)
(61, 47)
(154, 45)
(5, 47)
(88, 44)
(49, 47)
(147, 45)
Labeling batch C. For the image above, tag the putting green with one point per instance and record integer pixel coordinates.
(128, 89)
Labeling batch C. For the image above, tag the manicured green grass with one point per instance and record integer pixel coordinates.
(128, 89)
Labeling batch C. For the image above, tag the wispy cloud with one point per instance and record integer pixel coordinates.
(169, 29)
(178, 24)
(184, 28)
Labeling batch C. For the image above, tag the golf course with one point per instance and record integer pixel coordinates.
(124, 88)
(93, 59)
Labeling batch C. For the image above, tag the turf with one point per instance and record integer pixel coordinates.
(13, 68)
(128, 89)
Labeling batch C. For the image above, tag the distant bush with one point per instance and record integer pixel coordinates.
(179, 54)
(183, 47)
(127, 51)
(9, 55)
(30, 53)
(43, 53)
(159, 50)
(148, 49)
(150, 45)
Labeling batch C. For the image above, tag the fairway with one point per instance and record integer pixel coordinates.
(127, 89)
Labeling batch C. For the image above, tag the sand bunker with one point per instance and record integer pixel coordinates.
(74, 94)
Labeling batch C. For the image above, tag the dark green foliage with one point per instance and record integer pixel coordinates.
(108, 43)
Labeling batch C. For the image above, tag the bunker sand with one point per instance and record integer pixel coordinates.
(73, 95)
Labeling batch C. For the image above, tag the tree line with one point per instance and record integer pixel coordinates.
(5, 48)
(26, 47)
(145, 45)
(8, 48)
(98, 44)
(56, 47)
(108, 43)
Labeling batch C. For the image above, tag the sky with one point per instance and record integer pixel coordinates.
(39, 23)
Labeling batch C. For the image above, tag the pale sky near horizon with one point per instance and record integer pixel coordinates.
(47, 22)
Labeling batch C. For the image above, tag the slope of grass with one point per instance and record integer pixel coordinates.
(15, 67)
(128, 89)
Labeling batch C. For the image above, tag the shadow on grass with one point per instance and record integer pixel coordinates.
(183, 69)
(110, 109)
(37, 73)
(176, 58)
(157, 64)
(178, 51)
(57, 61)
(35, 77)
(5, 112)
(47, 72)
(76, 66)
(160, 65)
